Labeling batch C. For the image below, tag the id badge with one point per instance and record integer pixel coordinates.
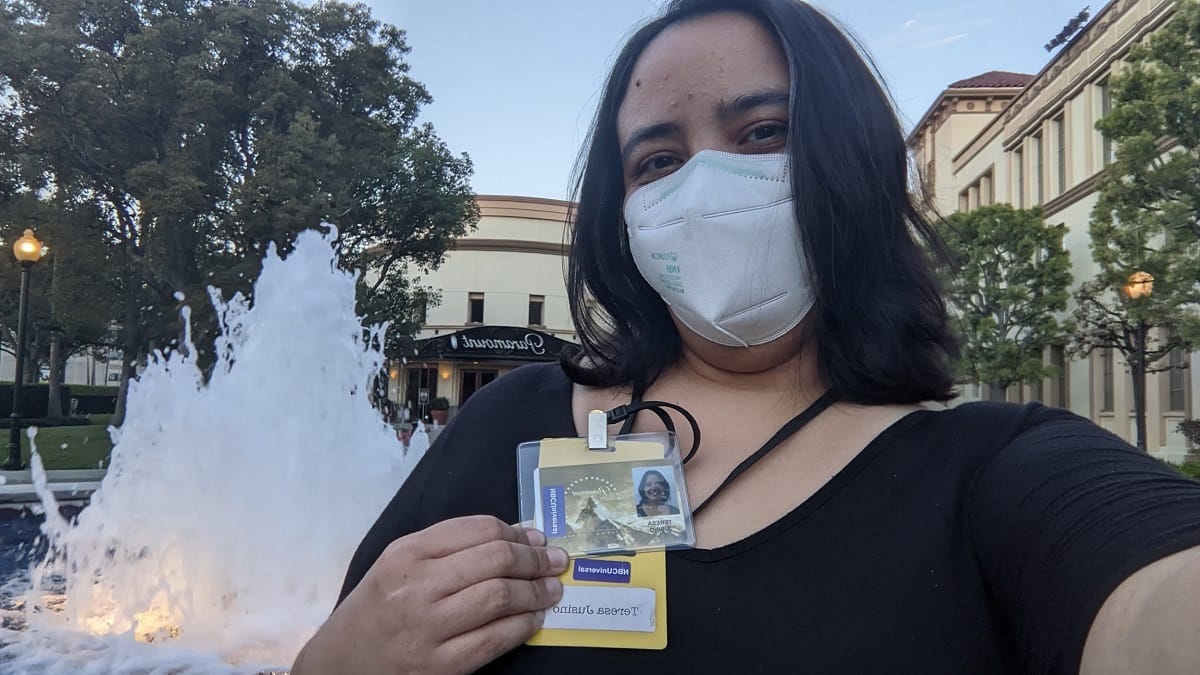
(615, 510)
(629, 497)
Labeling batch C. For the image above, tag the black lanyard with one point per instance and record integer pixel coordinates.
(627, 413)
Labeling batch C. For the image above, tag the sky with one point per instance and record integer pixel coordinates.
(515, 82)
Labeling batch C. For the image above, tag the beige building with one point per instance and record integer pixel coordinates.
(503, 303)
(1031, 140)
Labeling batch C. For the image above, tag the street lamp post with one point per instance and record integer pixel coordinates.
(1140, 285)
(27, 250)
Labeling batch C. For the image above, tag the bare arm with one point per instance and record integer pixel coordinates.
(1151, 623)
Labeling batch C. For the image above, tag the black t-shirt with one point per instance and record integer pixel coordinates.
(981, 539)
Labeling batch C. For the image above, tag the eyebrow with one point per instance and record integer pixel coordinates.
(748, 102)
(646, 134)
(725, 111)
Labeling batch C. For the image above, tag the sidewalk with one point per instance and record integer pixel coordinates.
(70, 486)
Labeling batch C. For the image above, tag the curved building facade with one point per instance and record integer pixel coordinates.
(503, 303)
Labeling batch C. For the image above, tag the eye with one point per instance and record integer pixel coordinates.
(655, 166)
(770, 134)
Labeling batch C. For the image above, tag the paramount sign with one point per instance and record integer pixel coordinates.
(499, 343)
(533, 343)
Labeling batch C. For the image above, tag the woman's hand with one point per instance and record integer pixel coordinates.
(447, 599)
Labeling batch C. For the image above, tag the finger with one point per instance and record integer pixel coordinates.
(458, 534)
(474, 649)
(497, 559)
(494, 599)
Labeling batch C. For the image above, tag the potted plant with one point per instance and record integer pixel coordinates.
(439, 410)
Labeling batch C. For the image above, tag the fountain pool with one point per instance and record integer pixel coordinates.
(218, 538)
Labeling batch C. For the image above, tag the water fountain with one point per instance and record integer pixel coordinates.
(419, 442)
(218, 538)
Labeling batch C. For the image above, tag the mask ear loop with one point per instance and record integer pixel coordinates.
(623, 412)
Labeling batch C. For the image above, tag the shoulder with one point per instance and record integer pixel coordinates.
(476, 452)
(1012, 428)
(529, 388)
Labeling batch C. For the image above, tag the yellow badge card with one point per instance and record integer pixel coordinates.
(615, 601)
(610, 601)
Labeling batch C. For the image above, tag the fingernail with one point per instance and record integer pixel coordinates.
(554, 586)
(558, 558)
(540, 617)
(536, 538)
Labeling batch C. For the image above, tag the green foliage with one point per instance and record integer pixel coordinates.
(1012, 279)
(1147, 217)
(439, 403)
(196, 134)
(1190, 430)
(1189, 469)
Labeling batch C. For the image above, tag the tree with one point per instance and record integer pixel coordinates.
(203, 131)
(1012, 279)
(1147, 218)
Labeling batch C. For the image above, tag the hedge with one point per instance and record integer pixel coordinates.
(35, 399)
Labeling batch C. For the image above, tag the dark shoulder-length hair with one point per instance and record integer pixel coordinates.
(880, 321)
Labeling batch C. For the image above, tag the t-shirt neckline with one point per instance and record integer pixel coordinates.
(823, 494)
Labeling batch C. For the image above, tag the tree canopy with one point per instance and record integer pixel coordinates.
(1147, 217)
(197, 132)
(1012, 279)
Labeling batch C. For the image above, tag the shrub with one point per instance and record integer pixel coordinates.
(1189, 469)
(1191, 431)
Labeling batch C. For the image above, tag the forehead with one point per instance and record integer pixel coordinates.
(693, 65)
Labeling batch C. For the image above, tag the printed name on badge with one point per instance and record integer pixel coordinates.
(603, 608)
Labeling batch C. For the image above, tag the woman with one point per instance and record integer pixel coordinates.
(745, 229)
(654, 496)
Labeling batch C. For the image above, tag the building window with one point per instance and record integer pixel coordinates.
(964, 201)
(1106, 144)
(475, 308)
(1039, 181)
(1019, 172)
(421, 302)
(1058, 359)
(536, 302)
(1176, 388)
(1060, 144)
(997, 393)
(1106, 379)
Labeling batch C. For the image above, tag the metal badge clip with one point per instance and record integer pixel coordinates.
(597, 430)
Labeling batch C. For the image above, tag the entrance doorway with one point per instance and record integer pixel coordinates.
(420, 380)
(472, 380)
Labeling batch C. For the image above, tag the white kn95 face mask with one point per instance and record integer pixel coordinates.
(718, 240)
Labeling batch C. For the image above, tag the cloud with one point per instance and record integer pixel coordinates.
(930, 29)
(949, 39)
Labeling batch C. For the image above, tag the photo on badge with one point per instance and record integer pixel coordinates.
(617, 506)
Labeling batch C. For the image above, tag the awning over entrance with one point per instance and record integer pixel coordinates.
(491, 343)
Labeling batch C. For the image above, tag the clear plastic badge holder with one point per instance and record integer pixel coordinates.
(624, 494)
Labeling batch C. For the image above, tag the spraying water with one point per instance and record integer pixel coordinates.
(219, 536)
(419, 442)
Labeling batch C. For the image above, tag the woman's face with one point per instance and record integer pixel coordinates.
(654, 489)
(719, 82)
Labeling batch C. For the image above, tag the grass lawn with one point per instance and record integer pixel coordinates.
(85, 446)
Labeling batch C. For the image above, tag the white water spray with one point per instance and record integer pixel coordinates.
(219, 537)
